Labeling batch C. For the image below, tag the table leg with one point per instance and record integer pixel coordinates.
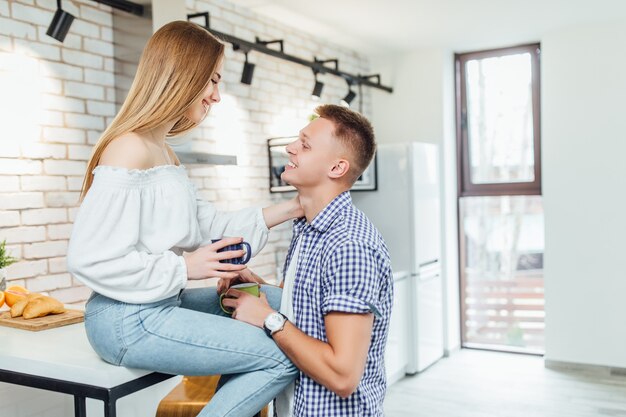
(109, 408)
(80, 408)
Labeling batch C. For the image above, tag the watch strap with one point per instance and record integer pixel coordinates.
(268, 332)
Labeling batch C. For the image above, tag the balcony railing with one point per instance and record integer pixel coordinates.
(506, 313)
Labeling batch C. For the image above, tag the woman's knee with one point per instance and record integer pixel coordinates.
(274, 295)
(291, 373)
(287, 369)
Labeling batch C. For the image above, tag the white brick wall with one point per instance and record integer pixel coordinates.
(44, 216)
(24, 234)
(17, 201)
(19, 167)
(43, 150)
(81, 81)
(10, 183)
(43, 183)
(9, 218)
(49, 282)
(47, 249)
(27, 269)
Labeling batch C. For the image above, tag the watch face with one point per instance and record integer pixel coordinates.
(274, 321)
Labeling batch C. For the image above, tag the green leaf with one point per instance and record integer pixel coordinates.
(5, 258)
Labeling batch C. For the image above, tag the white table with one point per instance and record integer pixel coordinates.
(62, 360)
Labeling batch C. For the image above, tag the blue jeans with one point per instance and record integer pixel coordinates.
(190, 335)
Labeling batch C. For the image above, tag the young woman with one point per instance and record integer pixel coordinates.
(138, 215)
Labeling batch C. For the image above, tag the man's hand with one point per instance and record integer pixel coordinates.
(245, 275)
(248, 308)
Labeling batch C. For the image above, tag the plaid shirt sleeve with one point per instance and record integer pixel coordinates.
(352, 280)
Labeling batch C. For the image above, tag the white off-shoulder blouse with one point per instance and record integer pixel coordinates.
(133, 226)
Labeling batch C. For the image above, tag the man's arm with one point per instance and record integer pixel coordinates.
(338, 365)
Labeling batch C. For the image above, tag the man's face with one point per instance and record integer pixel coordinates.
(313, 155)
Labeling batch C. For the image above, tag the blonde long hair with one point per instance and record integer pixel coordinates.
(174, 70)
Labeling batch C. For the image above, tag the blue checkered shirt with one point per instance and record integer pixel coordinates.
(343, 266)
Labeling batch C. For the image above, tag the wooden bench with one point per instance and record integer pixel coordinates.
(190, 396)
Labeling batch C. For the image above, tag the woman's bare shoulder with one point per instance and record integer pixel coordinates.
(127, 151)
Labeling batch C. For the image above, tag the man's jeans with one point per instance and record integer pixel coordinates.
(189, 334)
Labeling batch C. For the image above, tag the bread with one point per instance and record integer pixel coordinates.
(36, 305)
(42, 306)
(18, 308)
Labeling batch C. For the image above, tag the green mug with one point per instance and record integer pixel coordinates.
(251, 288)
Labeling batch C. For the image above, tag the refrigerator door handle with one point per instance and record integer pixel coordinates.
(425, 264)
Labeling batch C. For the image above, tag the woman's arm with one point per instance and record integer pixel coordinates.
(281, 212)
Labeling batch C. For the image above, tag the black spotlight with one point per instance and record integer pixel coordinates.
(348, 98)
(248, 72)
(317, 90)
(60, 24)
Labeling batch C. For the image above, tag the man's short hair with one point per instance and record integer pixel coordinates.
(355, 132)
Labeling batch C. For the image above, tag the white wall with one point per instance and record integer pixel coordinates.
(584, 183)
(165, 11)
(421, 109)
(584, 178)
(414, 112)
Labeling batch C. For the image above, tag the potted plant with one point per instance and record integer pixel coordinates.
(5, 260)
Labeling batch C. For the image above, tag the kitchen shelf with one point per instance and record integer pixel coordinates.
(201, 158)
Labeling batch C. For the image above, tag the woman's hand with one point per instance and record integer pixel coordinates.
(245, 275)
(281, 212)
(204, 262)
(296, 207)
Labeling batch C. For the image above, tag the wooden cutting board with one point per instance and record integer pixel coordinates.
(42, 323)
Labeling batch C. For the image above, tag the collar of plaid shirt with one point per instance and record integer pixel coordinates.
(324, 218)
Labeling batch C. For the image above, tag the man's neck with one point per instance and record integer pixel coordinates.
(315, 200)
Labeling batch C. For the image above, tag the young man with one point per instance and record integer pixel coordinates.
(338, 286)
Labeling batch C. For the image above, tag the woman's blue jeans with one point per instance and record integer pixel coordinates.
(190, 335)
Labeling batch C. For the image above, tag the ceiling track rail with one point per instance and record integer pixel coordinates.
(316, 65)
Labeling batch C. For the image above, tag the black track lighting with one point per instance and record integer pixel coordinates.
(317, 65)
(317, 89)
(369, 77)
(348, 98)
(60, 24)
(327, 61)
(265, 43)
(248, 72)
(124, 5)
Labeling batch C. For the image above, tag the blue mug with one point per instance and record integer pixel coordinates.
(239, 246)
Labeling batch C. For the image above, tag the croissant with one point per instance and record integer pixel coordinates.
(18, 308)
(42, 306)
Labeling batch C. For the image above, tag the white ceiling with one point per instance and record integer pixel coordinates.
(383, 26)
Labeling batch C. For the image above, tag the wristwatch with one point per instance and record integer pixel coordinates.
(274, 322)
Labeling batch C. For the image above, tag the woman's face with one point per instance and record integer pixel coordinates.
(211, 95)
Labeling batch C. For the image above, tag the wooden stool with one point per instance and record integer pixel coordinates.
(189, 397)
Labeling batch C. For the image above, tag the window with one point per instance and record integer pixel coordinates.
(498, 126)
(500, 205)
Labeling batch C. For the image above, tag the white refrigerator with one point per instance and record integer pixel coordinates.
(406, 209)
